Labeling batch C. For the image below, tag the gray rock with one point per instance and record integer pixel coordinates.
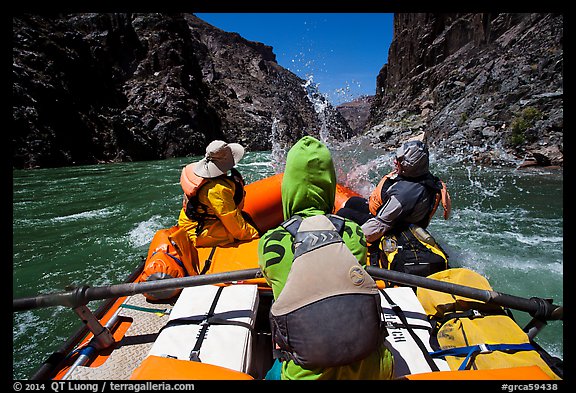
(119, 87)
(90, 88)
(477, 66)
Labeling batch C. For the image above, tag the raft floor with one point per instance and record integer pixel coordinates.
(134, 346)
(137, 342)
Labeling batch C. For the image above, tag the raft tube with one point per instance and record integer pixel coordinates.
(172, 255)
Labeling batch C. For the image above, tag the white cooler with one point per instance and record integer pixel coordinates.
(223, 344)
(408, 356)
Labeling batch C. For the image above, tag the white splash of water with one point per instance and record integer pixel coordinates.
(348, 93)
(321, 107)
(144, 231)
(466, 153)
(356, 176)
(278, 148)
(100, 213)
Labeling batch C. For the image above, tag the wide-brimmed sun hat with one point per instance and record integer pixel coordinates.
(220, 157)
(413, 158)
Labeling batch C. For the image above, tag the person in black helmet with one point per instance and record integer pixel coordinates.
(400, 208)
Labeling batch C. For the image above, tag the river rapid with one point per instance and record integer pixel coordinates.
(93, 224)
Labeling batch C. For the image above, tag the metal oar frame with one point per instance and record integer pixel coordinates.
(540, 309)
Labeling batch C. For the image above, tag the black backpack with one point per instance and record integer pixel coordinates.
(328, 313)
(417, 252)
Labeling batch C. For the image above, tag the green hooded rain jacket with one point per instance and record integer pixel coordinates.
(308, 189)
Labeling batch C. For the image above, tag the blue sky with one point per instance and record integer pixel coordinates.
(341, 52)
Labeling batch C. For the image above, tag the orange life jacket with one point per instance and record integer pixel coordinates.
(375, 199)
(191, 183)
(171, 254)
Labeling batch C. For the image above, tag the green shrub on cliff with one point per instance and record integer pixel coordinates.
(521, 123)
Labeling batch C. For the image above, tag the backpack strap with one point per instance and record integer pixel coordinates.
(310, 240)
(292, 224)
(338, 222)
(238, 180)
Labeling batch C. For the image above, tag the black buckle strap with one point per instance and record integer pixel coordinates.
(205, 321)
(400, 313)
(195, 353)
(438, 322)
(208, 261)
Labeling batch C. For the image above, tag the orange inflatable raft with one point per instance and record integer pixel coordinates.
(227, 351)
(172, 255)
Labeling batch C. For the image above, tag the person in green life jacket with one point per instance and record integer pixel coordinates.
(308, 189)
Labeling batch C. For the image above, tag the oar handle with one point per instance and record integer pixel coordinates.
(537, 307)
(82, 295)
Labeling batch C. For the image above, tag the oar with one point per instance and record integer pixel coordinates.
(537, 307)
(84, 294)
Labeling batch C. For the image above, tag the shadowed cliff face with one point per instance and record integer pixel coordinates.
(484, 87)
(91, 88)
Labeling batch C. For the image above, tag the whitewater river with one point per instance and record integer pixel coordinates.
(93, 224)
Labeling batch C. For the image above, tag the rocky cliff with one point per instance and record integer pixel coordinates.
(480, 87)
(356, 112)
(90, 88)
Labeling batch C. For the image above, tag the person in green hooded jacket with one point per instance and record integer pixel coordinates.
(309, 189)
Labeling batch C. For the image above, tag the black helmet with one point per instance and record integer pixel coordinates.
(413, 159)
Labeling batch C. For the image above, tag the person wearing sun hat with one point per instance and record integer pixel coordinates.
(212, 206)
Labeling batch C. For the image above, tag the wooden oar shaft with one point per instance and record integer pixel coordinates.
(83, 295)
(537, 307)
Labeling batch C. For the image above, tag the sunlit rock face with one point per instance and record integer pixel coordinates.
(484, 87)
(91, 88)
(356, 112)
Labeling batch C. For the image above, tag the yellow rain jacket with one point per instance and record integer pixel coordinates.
(225, 223)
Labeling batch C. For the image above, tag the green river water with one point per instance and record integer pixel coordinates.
(93, 224)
